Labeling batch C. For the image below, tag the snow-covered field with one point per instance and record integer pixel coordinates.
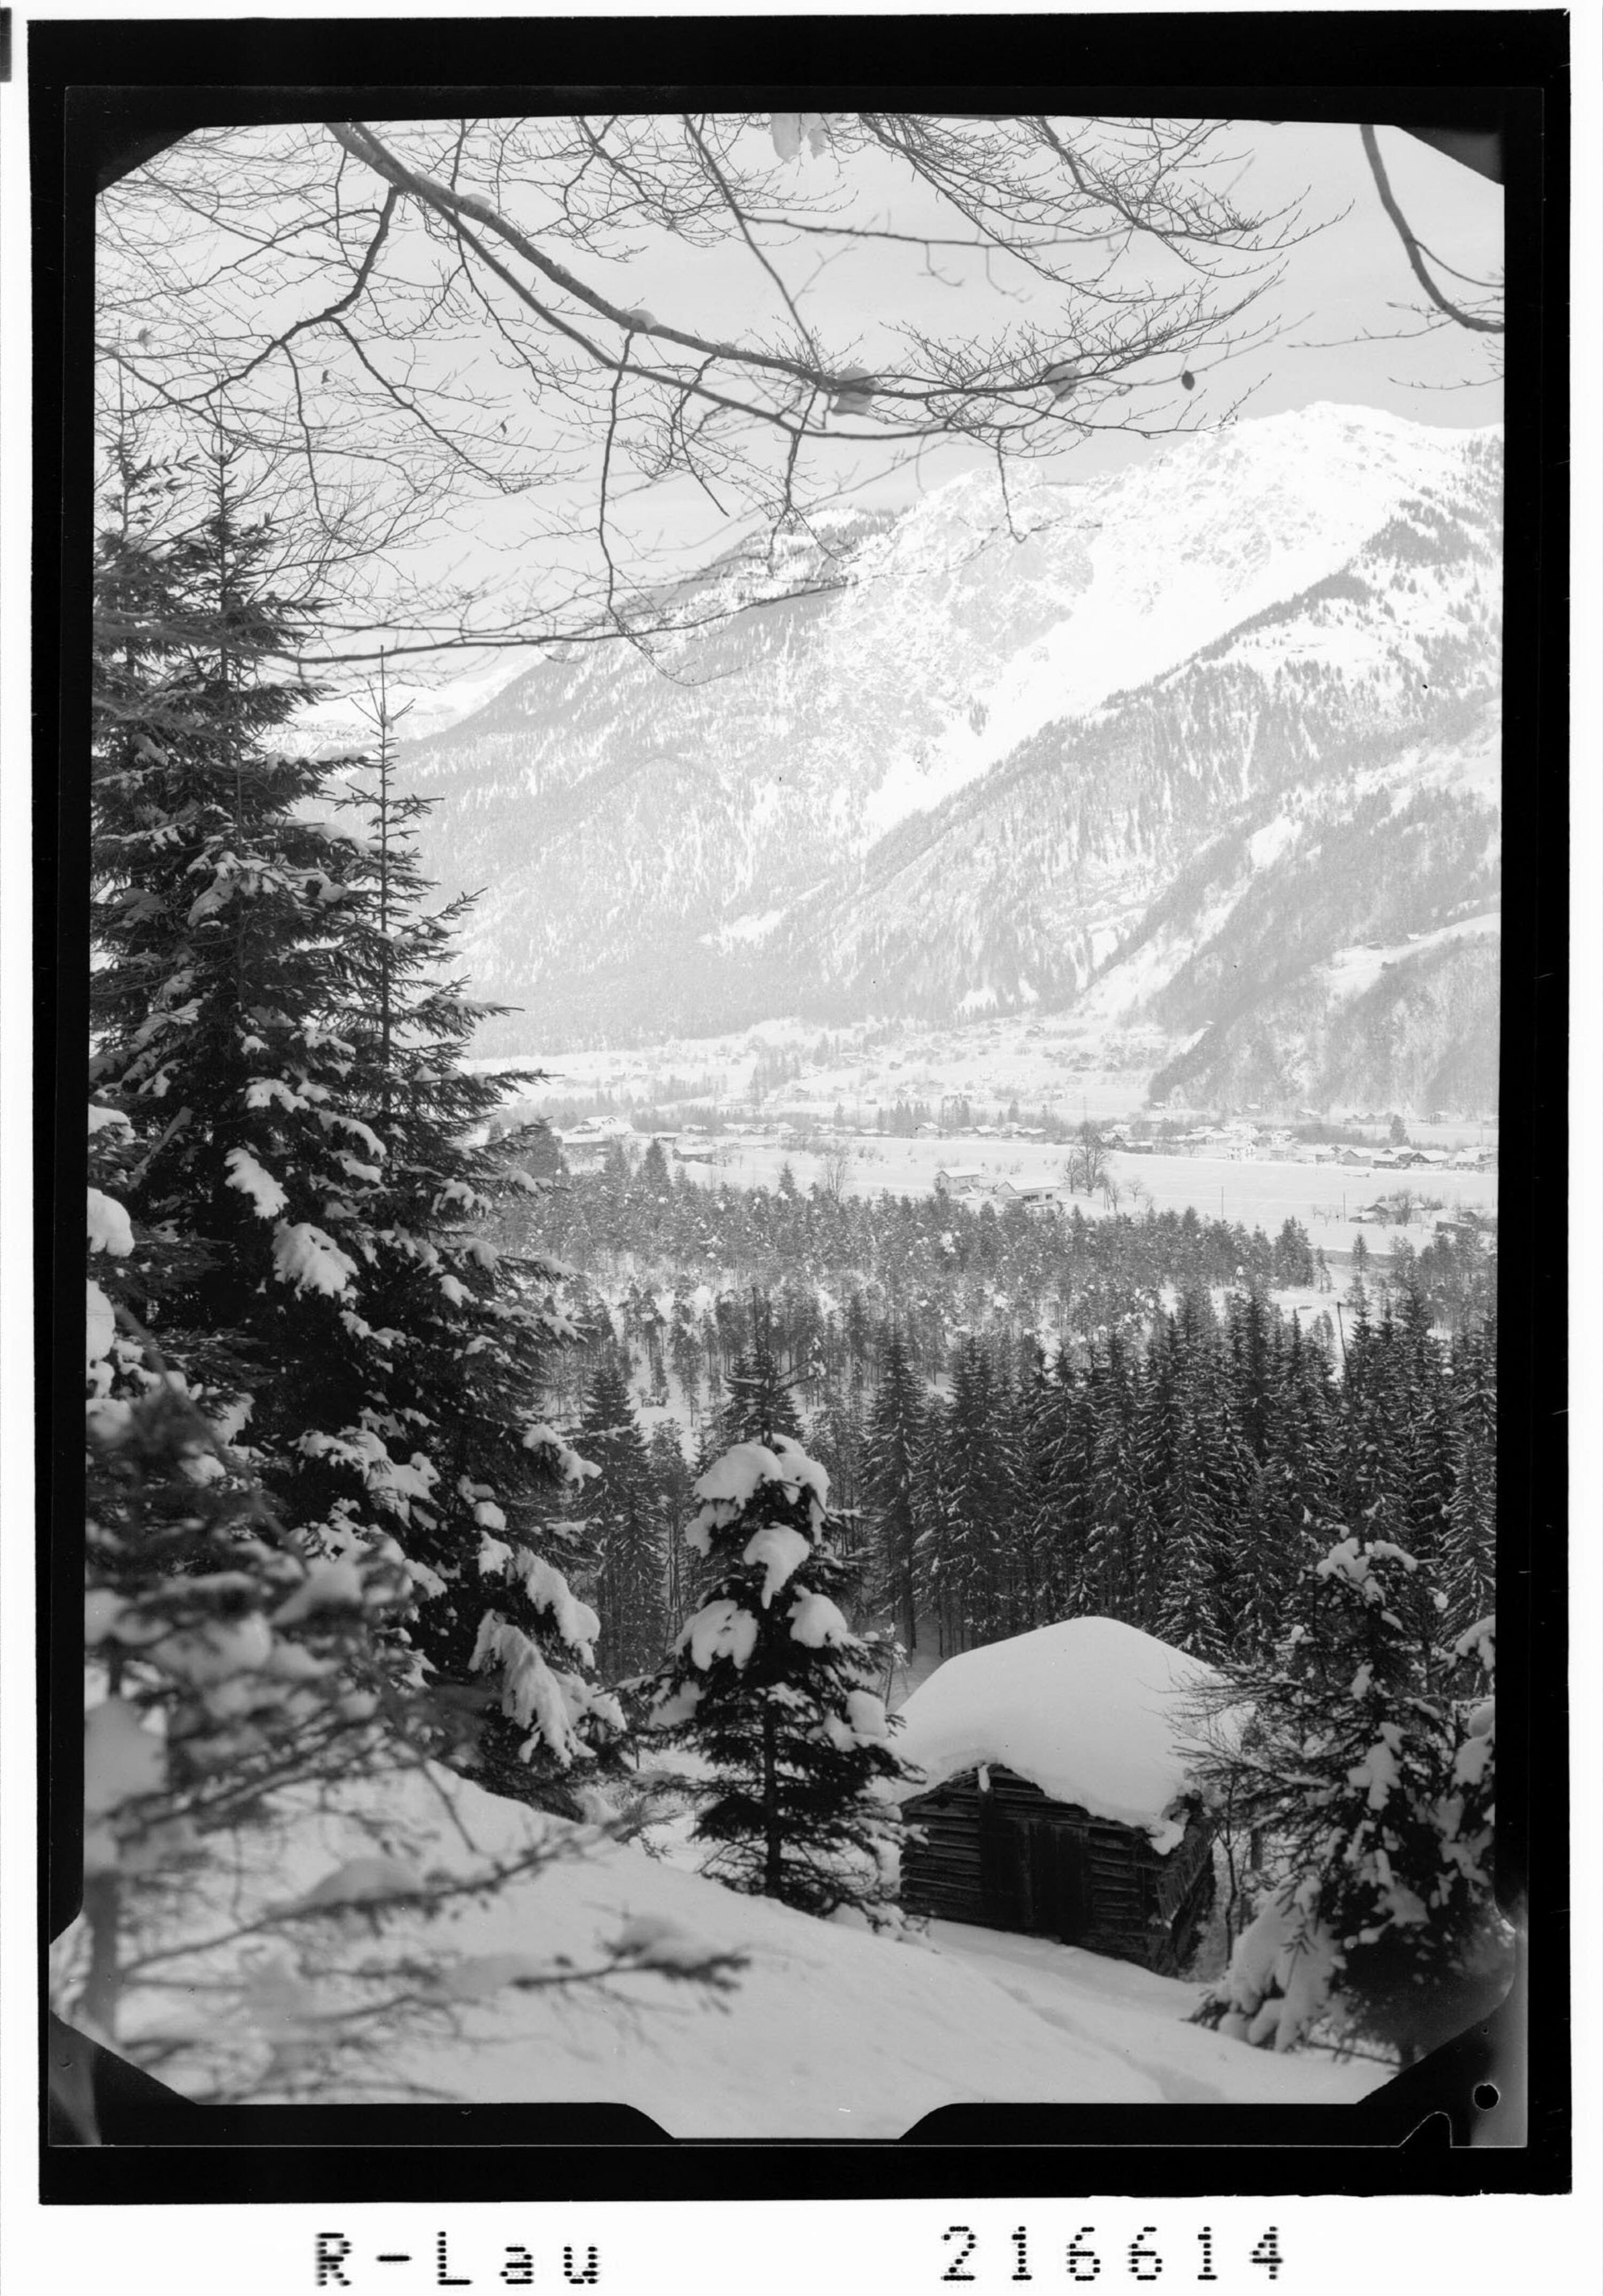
(831, 2031)
(1258, 1194)
(1323, 1196)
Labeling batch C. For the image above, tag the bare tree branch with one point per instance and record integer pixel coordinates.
(488, 339)
(1413, 248)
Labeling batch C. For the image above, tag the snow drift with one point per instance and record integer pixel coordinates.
(830, 2031)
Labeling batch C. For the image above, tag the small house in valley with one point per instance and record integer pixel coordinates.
(1044, 1198)
(1054, 1798)
(585, 1150)
(959, 1180)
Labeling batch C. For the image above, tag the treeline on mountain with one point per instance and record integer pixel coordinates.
(1430, 1025)
(1149, 773)
(1353, 880)
(1424, 1034)
(1365, 872)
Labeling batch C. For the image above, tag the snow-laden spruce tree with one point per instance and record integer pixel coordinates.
(1053, 1480)
(768, 1684)
(759, 1400)
(245, 1693)
(1107, 1579)
(891, 1485)
(1194, 1499)
(963, 1567)
(497, 1623)
(1471, 1542)
(267, 1017)
(1287, 1521)
(1366, 1758)
(253, 1553)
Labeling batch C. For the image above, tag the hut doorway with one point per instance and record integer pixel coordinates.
(1057, 1884)
(1035, 1874)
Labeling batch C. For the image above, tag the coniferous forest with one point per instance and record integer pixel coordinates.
(1002, 1463)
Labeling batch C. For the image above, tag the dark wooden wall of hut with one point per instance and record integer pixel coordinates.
(1009, 1858)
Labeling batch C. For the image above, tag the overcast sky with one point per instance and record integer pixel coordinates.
(1340, 284)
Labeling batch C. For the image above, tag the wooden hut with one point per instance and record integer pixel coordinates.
(1055, 1799)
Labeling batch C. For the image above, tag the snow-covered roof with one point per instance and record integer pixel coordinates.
(1091, 1710)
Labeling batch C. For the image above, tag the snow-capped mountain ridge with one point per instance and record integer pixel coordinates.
(960, 780)
(1171, 555)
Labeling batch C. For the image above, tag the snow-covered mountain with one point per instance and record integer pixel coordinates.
(422, 713)
(1165, 744)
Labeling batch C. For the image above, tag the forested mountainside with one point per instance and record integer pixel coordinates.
(1423, 1035)
(1206, 725)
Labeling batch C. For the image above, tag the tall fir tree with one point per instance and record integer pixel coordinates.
(630, 1581)
(1288, 1518)
(1424, 1444)
(672, 1481)
(1250, 1340)
(964, 1569)
(684, 1342)
(1108, 1580)
(759, 1400)
(1026, 1396)
(1469, 1569)
(1195, 1604)
(1059, 1465)
(769, 1685)
(1375, 1404)
(891, 1493)
(301, 1130)
(1367, 1763)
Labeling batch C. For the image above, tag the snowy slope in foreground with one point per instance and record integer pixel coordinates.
(1143, 2019)
(833, 2031)
(1091, 1710)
